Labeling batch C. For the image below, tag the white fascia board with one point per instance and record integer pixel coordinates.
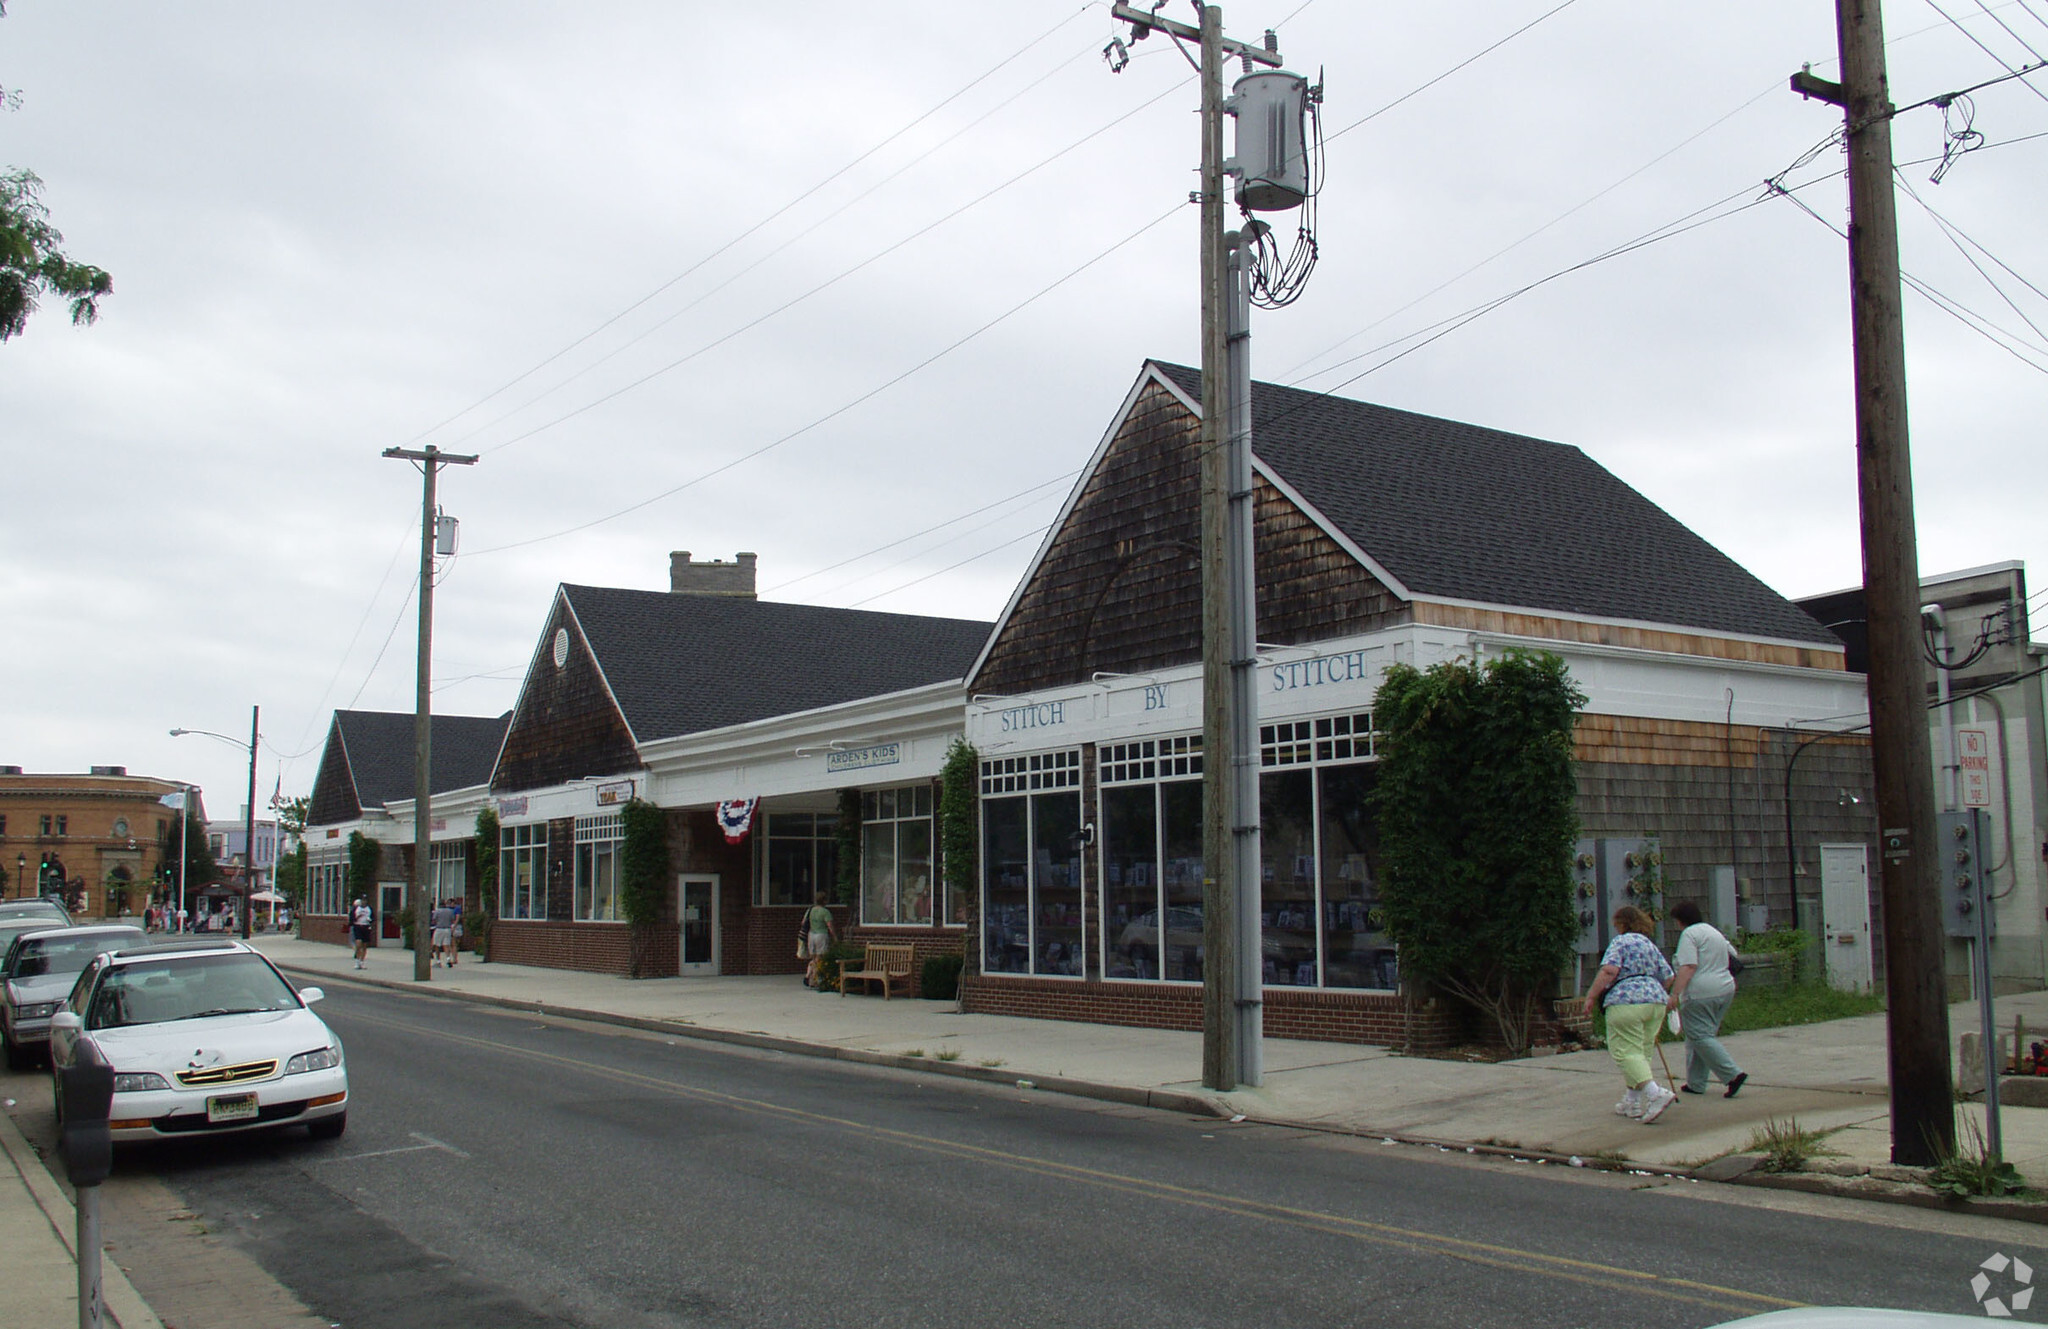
(1150, 374)
(450, 806)
(1341, 675)
(1682, 629)
(790, 754)
(1330, 528)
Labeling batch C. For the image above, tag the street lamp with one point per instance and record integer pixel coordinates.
(248, 812)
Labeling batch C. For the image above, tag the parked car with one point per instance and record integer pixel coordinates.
(37, 970)
(48, 912)
(204, 1037)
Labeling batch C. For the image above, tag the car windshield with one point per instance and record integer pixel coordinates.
(67, 952)
(187, 987)
(33, 909)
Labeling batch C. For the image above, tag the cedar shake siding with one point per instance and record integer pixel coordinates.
(334, 790)
(1119, 586)
(567, 725)
(369, 761)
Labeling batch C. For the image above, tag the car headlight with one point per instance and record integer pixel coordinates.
(40, 1011)
(137, 1082)
(321, 1059)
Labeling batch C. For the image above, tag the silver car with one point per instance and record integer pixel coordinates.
(36, 975)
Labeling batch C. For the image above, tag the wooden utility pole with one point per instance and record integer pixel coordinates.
(1922, 1101)
(430, 462)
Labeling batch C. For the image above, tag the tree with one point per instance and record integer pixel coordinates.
(291, 875)
(200, 867)
(31, 265)
(1477, 821)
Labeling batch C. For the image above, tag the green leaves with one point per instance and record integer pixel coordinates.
(1477, 819)
(31, 265)
(643, 862)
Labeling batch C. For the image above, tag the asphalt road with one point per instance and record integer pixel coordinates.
(507, 1170)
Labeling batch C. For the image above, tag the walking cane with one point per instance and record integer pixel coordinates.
(1666, 1060)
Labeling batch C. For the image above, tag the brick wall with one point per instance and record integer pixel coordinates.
(324, 927)
(1379, 1019)
(603, 948)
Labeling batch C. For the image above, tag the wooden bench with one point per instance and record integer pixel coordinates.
(883, 963)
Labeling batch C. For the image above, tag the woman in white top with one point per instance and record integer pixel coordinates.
(1701, 993)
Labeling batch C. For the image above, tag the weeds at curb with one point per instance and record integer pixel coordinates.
(1786, 1145)
(1971, 1169)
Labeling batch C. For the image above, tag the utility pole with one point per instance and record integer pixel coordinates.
(430, 462)
(249, 831)
(1232, 986)
(1922, 1102)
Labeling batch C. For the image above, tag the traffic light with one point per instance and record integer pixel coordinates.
(1965, 897)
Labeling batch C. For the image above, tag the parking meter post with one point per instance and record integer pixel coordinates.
(85, 1091)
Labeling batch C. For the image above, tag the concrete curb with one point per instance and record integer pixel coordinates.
(1166, 1100)
(123, 1304)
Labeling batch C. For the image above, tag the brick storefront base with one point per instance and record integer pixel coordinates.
(1379, 1019)
(598, 948)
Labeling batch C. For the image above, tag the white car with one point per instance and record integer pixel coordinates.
(204, 1037)
(37, 975)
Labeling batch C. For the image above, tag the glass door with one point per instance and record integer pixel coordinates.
(390, 904)
(697, 912)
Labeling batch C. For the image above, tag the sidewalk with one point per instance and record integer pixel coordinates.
(1828, 1075)
(38, 1232)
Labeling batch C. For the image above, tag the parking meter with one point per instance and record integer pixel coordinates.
(86, 1088)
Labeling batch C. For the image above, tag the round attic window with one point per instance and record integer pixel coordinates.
(561, 647)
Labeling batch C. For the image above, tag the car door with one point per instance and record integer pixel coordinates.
(65, 1033)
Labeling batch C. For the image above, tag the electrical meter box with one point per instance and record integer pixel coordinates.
(1963, 838)
(1607, 874)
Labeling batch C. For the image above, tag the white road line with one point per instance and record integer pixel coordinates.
(437, 1144)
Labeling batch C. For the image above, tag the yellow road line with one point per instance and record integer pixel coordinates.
(1564, 1268)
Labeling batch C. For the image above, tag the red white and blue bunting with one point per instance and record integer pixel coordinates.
(735, 817)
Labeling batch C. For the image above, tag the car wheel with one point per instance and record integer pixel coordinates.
(328, 1128)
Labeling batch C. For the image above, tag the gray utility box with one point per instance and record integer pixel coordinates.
(1607, 874)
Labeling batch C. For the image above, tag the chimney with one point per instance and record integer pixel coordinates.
(732, 581)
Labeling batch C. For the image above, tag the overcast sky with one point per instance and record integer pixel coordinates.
(618, 247)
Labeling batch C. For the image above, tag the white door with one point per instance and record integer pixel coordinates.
(697, 915)
(1845, 914)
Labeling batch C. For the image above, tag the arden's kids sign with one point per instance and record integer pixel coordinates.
(860, 759)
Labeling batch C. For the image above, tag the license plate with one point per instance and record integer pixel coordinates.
(231, 1107)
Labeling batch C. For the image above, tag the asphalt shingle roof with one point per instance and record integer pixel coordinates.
(682, 664)
(380, 752)
(1464, 512)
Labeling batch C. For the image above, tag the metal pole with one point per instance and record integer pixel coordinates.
(249, 830)
(184, 822)
(88, 1209)
(423, 740)
(1244, 707)
(1222, 1054)
(1922, 1102)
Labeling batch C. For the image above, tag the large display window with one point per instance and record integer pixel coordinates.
(1031, 904)
(523, 871)
(1319, 868)
(896, 855)
(1151, 846)
(800, 857)
(598, 842)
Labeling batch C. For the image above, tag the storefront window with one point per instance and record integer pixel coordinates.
(896, 855)
(448, 867)
(1151, 842)
(1031, 865)
(1287, 878)
(523, 871)
(324, 885)
(597, 868)
(802, 857)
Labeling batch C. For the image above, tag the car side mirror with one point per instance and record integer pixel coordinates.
(311, 995)
(66, 1020)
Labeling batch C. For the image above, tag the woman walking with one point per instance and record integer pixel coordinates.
(1701, 993)
(1630, 987)
(819, 934)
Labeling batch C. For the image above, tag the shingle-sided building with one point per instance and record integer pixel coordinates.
(704, 695)
(366, 783)
(1382, 536)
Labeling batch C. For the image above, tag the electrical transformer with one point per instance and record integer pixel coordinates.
(1272, 140)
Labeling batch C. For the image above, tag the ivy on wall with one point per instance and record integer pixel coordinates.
(486, 880)
(643, 877)
(848, 884)
(958, 801)
(364, 857)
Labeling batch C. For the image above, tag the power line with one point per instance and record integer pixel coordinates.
(2024, 43)
(836, 279)
(962, 91)
(786, 244)
(1956, 237)
(951, 567)
(2016, 73)
(850, 405)
(973, 530)
(1470, 59)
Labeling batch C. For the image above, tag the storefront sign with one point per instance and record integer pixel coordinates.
(512, 807)
(860, 759)
(1346, 668)
(1973, 760)
(1043, 715)
(614, 793)
(438, 824)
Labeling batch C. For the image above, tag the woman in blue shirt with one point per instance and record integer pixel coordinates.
(1631, 988)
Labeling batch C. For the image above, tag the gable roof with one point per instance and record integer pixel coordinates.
(682, 664)
(1462, 512)
(378, 749)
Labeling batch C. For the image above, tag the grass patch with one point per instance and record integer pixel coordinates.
(1786, 1145)
(1971, 1169)
(949, 1054)
(914, 1052)
(1795, 1003)
(992, 1062)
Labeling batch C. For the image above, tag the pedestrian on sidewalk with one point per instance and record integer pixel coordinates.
(442, 922)
(359, 928)
(1631, 989)
(1701, 992)
(819, 934)
(454, 932)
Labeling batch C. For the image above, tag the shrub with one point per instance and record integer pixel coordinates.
(940, 980)
(833, 960)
